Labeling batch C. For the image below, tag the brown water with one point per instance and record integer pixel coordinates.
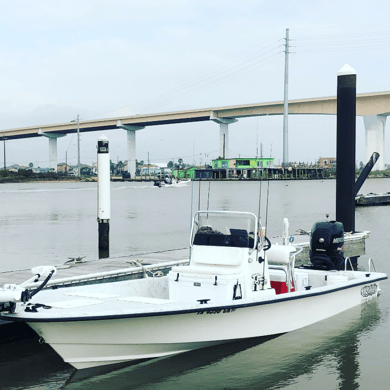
(46, 223)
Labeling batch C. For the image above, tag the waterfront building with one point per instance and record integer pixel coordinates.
(195, 172)
(241, 167)
(63, 168)
(327, 162)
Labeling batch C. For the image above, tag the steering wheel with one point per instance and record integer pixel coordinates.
(267, 246)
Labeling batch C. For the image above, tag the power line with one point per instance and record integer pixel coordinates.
(218, 73)
(233, 74)
(346, 42)
(200, 78)
(318, 50)
(343, 26)
(220, 68)
(342, 36)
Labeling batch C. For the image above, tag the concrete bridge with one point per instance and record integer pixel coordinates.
(374, 107)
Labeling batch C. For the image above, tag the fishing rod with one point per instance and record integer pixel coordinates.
(199, 197)
(208, 202)
(260, 235)
(208, 197)
(191, 216)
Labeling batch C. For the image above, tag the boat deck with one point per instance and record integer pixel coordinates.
(119, 268)
(150, 297)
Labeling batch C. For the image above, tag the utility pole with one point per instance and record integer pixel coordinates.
(285, 112)
(66, 162)
(5, 162)
(257, 138)
(78, 145)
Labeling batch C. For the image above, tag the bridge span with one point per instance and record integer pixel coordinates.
(374, 107)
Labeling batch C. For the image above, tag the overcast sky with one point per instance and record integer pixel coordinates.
(106, 58)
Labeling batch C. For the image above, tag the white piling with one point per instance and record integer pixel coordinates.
(103, 203)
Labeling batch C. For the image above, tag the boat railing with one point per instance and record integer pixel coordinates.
(289, 269)
(292, 258)
(370, 261)
(280, 267)
(115, 274)
(346, 261)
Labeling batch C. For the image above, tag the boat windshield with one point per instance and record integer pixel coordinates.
(222, 228)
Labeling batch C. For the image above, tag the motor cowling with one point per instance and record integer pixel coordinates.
(327, 245)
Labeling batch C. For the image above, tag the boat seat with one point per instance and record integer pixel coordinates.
(214, 261)
(280, 254)
(210, 255)
(238, 238)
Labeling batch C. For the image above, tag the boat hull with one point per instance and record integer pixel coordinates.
(95, 342)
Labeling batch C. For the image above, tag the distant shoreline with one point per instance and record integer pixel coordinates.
(16, 177)
(117, 180)
(47, 181)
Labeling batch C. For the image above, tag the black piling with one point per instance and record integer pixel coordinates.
(104, 239)
(346, 147)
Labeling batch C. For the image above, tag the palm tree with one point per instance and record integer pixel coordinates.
(119, 167)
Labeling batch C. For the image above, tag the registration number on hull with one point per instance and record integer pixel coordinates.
(369, 291)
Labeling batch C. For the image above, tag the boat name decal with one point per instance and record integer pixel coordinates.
(368, 291)
(215, 311)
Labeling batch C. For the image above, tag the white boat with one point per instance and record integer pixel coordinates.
(235, 286)
(172, 184)
(178, 183)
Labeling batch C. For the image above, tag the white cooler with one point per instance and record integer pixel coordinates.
(195, 287)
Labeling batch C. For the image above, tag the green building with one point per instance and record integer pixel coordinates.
(186, 173)
(245, 167)
(243, 163)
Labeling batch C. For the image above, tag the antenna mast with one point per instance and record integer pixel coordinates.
(5, 160)
(78, 147)
(285, 112)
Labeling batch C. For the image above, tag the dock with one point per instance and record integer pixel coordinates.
(373, 199)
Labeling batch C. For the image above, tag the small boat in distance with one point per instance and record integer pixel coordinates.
(171, 182)
(235, 286)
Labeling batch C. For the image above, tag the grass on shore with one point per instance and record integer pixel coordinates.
(24, 176)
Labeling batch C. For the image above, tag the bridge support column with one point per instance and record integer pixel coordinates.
(224, 133)
(52, 147)
(131, 145)
(375, 139)
(224, 140)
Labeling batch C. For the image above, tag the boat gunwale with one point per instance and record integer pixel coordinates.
(307, 294)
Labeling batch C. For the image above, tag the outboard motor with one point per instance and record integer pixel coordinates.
(327, 245)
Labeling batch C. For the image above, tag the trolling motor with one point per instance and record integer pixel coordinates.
(327, 245)
(13, 298)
